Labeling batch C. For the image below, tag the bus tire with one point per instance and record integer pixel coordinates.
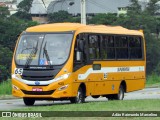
(80, 98)
(120, 94)
(29, 101)
(110, 97)
(96, 96)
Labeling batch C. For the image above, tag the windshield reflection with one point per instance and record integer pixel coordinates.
(52, 49)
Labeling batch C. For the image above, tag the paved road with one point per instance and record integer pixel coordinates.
(148, 93)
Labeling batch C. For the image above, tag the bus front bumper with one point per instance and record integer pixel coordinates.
(53, 90)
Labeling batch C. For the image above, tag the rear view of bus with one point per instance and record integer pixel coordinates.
(66, 61)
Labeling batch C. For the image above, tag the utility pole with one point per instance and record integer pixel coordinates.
(83, 11)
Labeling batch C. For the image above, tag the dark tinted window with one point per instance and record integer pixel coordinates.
(94, 47)
(108, 50)
(115, 47)
(135, 47)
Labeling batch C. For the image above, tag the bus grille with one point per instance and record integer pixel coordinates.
(38, 92)
(39, 78)
(40, 75)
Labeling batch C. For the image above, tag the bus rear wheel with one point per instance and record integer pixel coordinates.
(29, 101)
(118, 96)
(80, 98)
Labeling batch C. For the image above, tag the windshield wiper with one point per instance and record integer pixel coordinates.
(46, 54)
(33, 52)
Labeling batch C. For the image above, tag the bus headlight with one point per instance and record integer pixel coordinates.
(64, 76)
(16, 76)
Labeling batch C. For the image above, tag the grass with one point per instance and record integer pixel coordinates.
(126, 105)
(5, 87)
(153, 81)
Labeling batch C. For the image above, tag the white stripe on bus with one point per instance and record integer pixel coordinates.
(110, 70)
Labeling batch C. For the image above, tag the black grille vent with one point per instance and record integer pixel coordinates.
(39, 78)
(38, 92)
(40, 75)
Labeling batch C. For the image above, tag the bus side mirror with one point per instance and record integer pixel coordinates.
(78, 56)
(80, 45)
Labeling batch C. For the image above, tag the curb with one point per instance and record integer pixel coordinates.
(157, 86)
(7, 97)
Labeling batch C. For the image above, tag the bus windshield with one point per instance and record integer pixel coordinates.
(43, 49)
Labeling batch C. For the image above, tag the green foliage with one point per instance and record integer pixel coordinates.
(153, 79)
(152, 7)
(25, 5)
(103, 18)
(61, 16)
(6, 87)
(3, 73)
(4, 11)
(23, 10)
(23, 15)
(135, 7)
(5, 63)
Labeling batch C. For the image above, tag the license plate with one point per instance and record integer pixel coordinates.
(37, 89)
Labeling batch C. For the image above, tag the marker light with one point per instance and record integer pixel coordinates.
(63, 87)
(15, 87)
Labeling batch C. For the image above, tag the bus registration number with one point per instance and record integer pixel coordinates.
(37, 89)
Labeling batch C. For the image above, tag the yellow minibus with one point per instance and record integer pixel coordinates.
(70, 61)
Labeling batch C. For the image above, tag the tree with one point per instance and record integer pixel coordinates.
(60, 16)
(23, 15)
(152, 7)
(135, 7)
(4, 12)
(5, 62)
(23, 10)
(25, 5)
(102, 18)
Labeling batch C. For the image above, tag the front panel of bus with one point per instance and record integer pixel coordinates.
(40, 65)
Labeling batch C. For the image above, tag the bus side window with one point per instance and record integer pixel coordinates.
(94, 47)
(80, 46)
(135, 47)
(110, 48)
(121, 44)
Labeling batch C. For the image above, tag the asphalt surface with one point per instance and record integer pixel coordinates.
(148, 93)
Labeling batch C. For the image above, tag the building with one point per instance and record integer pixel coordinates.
(40, 8)
(92, 6)
(11, 4)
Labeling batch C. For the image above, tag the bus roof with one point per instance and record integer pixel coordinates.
(80, 28)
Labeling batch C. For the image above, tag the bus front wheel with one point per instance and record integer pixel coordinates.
(80, 98)
(29, 101)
